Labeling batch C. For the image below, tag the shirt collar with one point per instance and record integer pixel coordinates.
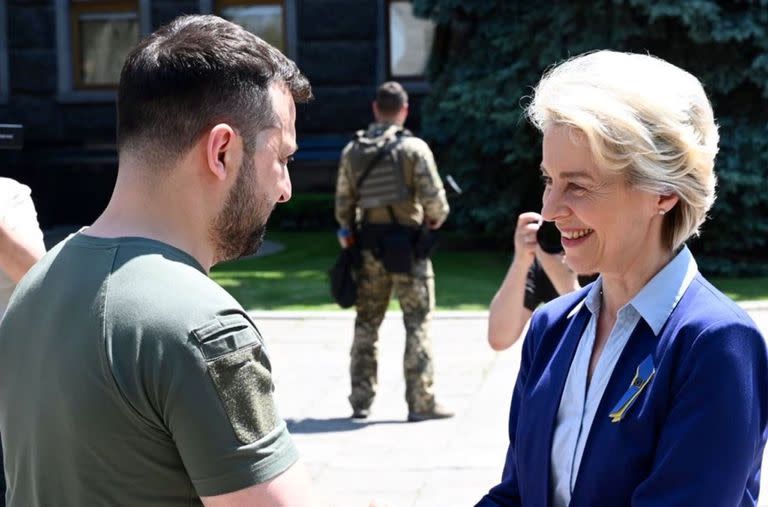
(593, 296)
(377, 129)
(656, 301)
(659, 297)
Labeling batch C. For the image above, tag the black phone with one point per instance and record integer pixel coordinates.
(549, 238)
(11, 136)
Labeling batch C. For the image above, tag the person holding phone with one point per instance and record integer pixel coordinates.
(537, 275)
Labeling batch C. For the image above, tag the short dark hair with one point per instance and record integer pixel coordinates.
(391, 97)
(193, 73)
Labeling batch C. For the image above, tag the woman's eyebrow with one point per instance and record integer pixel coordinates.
(576, 175)
(570, 175)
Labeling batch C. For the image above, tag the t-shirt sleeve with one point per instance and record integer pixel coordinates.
(218, 404)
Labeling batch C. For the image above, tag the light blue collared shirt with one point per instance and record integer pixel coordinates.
(578, 404)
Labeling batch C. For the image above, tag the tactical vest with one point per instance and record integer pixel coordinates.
(377, 166)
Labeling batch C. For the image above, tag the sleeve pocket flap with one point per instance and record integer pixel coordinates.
(226, 334)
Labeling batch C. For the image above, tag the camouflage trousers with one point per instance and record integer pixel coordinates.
(416, 294)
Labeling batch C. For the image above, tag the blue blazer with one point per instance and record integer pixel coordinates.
(693, 438)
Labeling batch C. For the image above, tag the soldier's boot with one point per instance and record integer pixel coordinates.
(361, 405)
(437, 412)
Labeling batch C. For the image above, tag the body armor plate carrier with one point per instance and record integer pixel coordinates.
(381, 181)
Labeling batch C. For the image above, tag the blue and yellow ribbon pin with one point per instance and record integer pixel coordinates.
(645, 372)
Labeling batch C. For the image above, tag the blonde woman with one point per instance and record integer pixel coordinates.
(648, 387)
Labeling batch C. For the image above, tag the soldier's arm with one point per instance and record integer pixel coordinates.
(346, 198)
(428, 187)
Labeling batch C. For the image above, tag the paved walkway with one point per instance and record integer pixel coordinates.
(449, 463)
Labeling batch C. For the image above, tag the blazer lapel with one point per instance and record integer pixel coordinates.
(641, 344)
(543, 405)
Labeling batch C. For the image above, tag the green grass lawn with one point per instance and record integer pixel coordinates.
(296, 278)
(743, 289)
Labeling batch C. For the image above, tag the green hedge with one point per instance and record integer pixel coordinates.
(305, 211)
(489, 54)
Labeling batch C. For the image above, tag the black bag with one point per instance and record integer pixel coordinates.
(391, 244)
(396, 249)
(426, 242)
(342, 275)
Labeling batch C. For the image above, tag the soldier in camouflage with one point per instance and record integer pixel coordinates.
(401, 186)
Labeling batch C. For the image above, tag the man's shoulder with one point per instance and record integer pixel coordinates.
(415, 145)
(348, 147)
(158, 304)
(162, 284)
(11, 191)
(11, 185)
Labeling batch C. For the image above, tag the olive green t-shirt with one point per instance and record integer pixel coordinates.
(128, 377)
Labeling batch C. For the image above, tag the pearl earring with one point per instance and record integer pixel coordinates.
(661, 211)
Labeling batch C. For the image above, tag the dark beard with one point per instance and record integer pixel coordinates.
(239, 229)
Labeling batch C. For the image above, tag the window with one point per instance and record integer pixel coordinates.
(272, 20)
(266, 19)
(409, 41)
(4, 84)
(93, 39)
(102, 35)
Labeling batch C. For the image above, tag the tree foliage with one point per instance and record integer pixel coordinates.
(488, 54)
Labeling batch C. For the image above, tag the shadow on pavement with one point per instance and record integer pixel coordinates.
(334, 424)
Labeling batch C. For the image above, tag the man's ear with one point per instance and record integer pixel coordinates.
(403, 114)
(222, 150)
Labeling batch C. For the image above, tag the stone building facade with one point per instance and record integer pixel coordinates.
(59, 61)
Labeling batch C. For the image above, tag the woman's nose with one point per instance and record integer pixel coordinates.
(552, 206)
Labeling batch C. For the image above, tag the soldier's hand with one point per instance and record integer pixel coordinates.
(525, 236)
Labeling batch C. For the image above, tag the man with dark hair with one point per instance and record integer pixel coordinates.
(389, 192)
(390, 98)
(128, 377)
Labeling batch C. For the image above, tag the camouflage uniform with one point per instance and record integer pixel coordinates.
(415, 291)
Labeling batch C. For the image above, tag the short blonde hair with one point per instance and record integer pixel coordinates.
(643, 117)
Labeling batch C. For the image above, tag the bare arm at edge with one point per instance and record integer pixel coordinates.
(292, 488)
(508, 314)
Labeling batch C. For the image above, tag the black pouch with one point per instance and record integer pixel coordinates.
(396, 249)
(342, 277)
(426, 242)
